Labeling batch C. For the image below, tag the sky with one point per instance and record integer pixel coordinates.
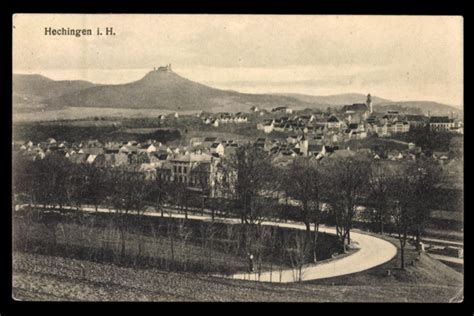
(395, 57)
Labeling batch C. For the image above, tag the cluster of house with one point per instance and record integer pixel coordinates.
(192, 165)
(444, 123)
(276, 110)
(304, 145)
(355, 121)
(320, 125)
(195, 165)
(294, 146)
(316, 135)
(224, 118)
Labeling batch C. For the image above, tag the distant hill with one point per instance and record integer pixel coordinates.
(162, 90)
(41, 87)
(337, 100)
(169, 91)
(380, 104)
(424, 107)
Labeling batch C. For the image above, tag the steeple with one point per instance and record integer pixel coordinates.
(369, 103)
(304, 145)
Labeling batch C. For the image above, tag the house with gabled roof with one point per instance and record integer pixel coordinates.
(316, 150)
(441, 123)
(217, 148)
(417, 120)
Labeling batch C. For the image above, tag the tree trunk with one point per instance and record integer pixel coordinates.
(308, 227)
(140, 246)
(202, 207)
(210, 253)
(402, 257)
(122, 236)
(172, 246)
(403, 239)
(417, 238)
(315, 242)
(55, 239)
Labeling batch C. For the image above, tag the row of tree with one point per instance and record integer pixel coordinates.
(335, 191)
(331, 191)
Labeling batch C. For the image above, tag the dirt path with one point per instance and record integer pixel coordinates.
(372, 252)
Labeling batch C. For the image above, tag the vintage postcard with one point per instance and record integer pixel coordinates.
(268, 158)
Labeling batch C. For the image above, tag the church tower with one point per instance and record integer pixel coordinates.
(369, 103)
(304, 145)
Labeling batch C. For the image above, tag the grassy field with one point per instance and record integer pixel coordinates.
(376, 144)
(38, 277)
(165, 243)
(77, 131)
(57, 277)
(71, 113)
(170, 131)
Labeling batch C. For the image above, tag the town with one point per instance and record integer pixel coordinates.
(197, 171)
(299, 133)
(237, 158)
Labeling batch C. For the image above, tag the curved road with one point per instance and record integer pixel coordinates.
(372, 252)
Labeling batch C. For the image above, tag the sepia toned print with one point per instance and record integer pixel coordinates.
(268, 158)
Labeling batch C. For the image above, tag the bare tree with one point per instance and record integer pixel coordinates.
(95, 182)
(159, 192)
(346, 184)
(410, 191)
(303, 182)
(401, 193)
(183, 233)
(428, 176)
(378, 199)
(127, 192)
(298, 255)
(247, 177)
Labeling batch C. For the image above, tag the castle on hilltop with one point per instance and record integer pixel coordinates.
(166, 68)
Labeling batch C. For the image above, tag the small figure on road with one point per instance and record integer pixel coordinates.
(251, 269)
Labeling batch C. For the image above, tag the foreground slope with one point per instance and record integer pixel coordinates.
(37, 277)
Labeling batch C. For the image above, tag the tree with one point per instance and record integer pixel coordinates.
(346, 181)
(159, 192)
(426, 177)
(410, 192)
(24, 180)
(377, 199)
(52, 180)
(298, 255)
(180, 195)
(127, 192)
(303, 182)
(94, 185)
(247, 176)
(401, 194)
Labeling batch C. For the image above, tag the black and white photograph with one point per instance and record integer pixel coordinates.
(237, 158)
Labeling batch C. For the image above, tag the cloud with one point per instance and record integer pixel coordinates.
(415, 53)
